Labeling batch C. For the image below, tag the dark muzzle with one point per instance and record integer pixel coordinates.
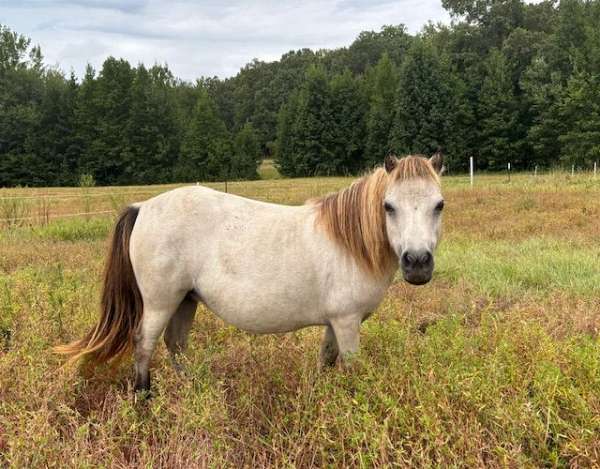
(417, 266)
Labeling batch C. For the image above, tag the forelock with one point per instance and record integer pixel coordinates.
(413, 167)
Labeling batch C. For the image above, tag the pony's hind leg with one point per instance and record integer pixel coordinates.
(154, 321)
(329, 348)
(178, 329)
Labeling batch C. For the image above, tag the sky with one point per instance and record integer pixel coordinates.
(201, 38)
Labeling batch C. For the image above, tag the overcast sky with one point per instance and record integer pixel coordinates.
(196, 38)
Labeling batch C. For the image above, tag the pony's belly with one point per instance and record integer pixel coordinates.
(263, 308)
(265, 320)
(261, 290)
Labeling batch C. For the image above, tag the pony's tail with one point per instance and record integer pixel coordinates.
(121, 304)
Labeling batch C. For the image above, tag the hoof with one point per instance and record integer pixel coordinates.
(142, 395)
(142, 385)
(327, 364)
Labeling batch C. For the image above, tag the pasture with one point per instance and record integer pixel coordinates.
(494, 363)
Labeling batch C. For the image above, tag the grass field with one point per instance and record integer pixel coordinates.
(495, 363)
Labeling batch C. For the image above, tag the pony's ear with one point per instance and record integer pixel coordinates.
(390, 162)
(437, 161)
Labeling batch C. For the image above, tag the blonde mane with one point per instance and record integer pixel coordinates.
(355, 218)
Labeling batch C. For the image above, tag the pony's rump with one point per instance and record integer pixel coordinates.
(121, 303)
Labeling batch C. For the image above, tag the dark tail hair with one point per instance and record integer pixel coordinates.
(121, 304)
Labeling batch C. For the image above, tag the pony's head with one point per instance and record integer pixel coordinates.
(391, 216)
(413, 206)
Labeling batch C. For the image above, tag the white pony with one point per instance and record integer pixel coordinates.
(263, 267)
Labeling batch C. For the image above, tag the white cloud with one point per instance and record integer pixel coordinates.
(202, 37)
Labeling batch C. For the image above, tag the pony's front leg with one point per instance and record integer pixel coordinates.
(347, 336)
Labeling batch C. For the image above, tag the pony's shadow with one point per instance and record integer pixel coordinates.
(258, 384)
(96, 391)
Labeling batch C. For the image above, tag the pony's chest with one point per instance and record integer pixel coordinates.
(355, 296)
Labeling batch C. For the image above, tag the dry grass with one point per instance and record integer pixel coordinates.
(495, 363)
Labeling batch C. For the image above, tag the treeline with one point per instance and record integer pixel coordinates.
(507, 82)
(122, 125)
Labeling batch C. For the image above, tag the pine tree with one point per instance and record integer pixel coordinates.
(498, 116)
(114, 102)
(313, 126)
(348, 105)
(206, 147)
(55, 143)
(381, 111)
(21, 91)
(285, 143)
(580, 108)
(246, 154)
(543, 93)
(151, 133)
(102, 114)
(423, 116)
(86, 116)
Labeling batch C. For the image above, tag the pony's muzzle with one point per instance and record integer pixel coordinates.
(417, 266)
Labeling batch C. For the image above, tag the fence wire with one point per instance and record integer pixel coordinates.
(60, 215)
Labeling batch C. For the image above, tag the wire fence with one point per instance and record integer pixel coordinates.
(20, 209)
(75, 196)
(59, 215)
(40, 209)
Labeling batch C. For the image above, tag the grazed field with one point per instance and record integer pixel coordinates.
(495, 363)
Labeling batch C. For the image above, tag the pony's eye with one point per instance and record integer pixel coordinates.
(388, 208)
(440, 206)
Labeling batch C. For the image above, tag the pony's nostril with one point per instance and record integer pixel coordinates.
(426, 258)
(419, 259)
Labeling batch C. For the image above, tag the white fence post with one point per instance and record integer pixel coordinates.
(595, 169)
(471, 164)
(535, 171)
(572, 170)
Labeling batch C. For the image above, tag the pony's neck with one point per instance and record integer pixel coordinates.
(355, 219)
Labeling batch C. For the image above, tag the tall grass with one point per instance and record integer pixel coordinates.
(75, 229)
(538, 265)
(267, 170)
(495, 363)
(14, 211)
